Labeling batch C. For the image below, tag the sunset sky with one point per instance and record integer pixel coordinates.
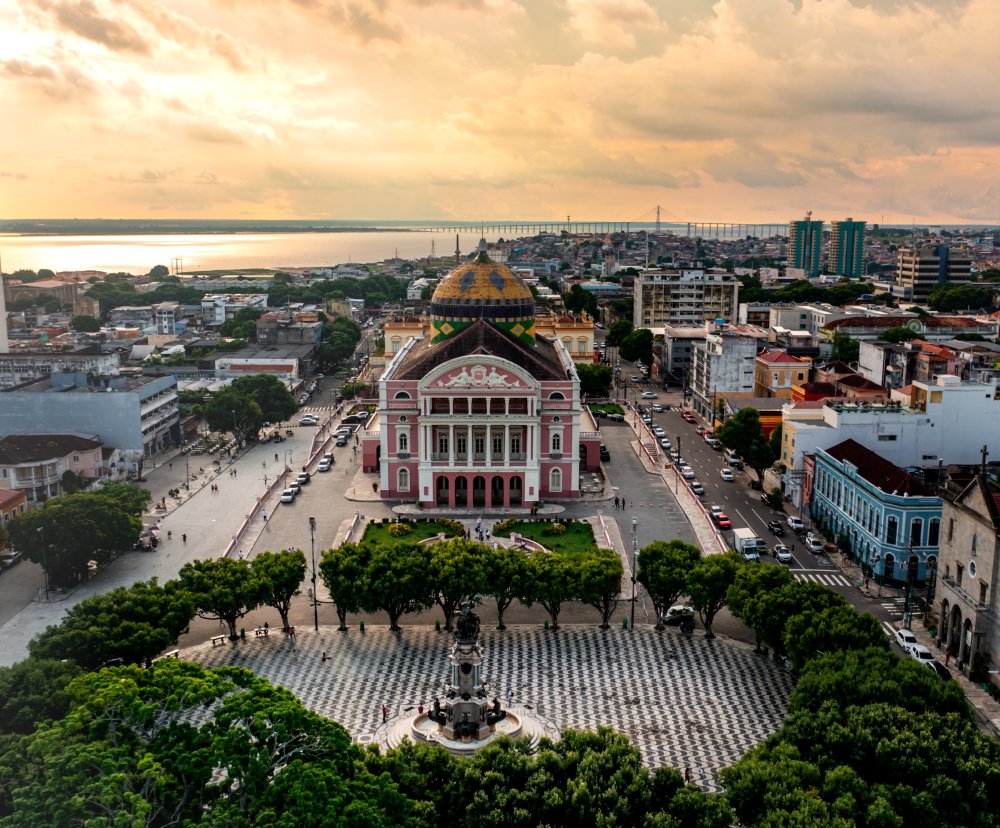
(738, 110)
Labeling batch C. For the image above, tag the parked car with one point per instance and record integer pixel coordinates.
(8, 559)
(659, 432)
(715, 509)
(918, 652)
(647, 419)
(341, 441)
(727, 475)
(814, 545)
(943, 672)
(303, 478)
(308, 420)
(324, 465)
(776, 528)
(664, 443)
(616, 418)
(722, 521)
(783, 554)
(605, 454)
(715, 444)
(906, 639)
(288, 496)
(794, 523)
(687, 472)
(697, 488)
(676, 614)
(295, 486)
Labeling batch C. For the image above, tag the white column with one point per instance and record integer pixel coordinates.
(451, 445)
(468, 445)
(489, 446)
(506, 445)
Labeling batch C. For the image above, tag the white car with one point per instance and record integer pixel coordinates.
(665, 443)
(814, 545)
(783, 554)
(308, 420)
(288, 496)
(906, 640)
(727, 475)
(648, 395)
(918, 652)
(324, 465)
(687, 472)
(659, 432)
(697, 488)
(716, 510)
(795, 524)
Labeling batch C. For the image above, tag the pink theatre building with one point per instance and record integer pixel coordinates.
(482, 413)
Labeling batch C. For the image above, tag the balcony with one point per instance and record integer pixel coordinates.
(439, 459)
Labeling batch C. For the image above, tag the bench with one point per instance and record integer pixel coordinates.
(219, 639)
(262, 631)
(169, 654)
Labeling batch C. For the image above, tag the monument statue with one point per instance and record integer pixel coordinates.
(467, 626)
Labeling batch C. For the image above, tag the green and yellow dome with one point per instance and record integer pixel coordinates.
(482, 289)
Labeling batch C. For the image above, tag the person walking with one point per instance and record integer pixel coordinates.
(687, 776)
(184, 538)
(510, 696)
(385, 713)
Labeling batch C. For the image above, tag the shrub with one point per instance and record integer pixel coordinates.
(452, 527)
(504, 526)
(556, 529)
(400, 530)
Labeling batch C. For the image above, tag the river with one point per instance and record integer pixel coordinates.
(223, 251)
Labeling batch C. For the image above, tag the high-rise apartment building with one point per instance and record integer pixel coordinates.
(921, 269)
(847, 243)
(684, 298)
(805, 244)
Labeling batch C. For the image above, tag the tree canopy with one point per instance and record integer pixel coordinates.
(595, 378)
(638, 346)
(743, 434)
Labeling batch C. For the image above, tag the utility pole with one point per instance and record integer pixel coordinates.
(312, 549)
(635, 554)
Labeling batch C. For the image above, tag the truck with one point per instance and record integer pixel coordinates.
(747, 543)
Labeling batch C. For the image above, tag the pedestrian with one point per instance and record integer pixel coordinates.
(510, 696)
(687, 776)
(324, 656)
(487, 535)
(276, 457)
(947, 657)
(264, 513)
(385, 713)
(184, 538)
(241, 554)
(267, 626)
(468, 534)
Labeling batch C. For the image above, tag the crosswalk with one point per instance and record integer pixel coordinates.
(820, 576)
(889, 630)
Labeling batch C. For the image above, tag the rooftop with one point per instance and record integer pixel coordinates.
(879, 472)
(33, 448)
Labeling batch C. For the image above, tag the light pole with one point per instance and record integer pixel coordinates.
(677, 471)
(635, 554)
(45, 560)
(187, 473)
(312, 549)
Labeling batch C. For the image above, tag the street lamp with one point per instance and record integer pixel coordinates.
(45, 560)
(635, 554)
(312, 549)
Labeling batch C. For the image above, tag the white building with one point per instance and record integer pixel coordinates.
(724, 363)
(216, 308)
(684, 297)
(947, 422)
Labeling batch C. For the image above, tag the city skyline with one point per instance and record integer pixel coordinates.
(738, 110)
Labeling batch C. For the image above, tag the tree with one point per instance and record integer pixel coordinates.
(458, 573)
(129, 624)
(742, 433)
(662, 570)
(342, 570)
(397, 581)
(232, 411)
(638, 346)
(595, 378)
(774, 441)
(279, 575)
(69, 532)
(33, 691)
(599, 581)
(507, 577)
(834, 628)
(158, 272)
(85, 324)
(845, 348)
(72, 482)
(898, 334)
(131, 497)
(751, 598)
(707, 584)
(222, 589)
(617, 332)
(243, 325)
(578, 299)
(554, 581)
(960, 297)
(270, 393)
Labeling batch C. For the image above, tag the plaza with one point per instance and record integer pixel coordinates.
(684, 702)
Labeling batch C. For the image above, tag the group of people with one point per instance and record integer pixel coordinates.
(619, 502)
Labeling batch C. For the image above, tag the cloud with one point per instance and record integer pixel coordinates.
(59, 81)
(186, 32)
(612, 23)
(211, 134)
(753, 166)
(83, 19)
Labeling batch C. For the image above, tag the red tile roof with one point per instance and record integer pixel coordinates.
(778, 356)
(877, 470)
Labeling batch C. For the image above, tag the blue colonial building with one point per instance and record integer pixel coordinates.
(888, 516)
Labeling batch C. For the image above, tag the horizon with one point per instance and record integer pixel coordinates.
(721, 111)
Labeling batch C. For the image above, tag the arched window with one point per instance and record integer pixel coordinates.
(934, 532)
(555, 480)
(402, 395)
(403, 480)
(395, 343)
(557, 395)
(556, 442)
(581, 345)
(403, 441)
(916, 532)
(890, 530)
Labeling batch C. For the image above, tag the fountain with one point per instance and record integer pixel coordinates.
(468, 719)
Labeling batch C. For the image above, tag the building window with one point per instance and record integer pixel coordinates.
(403, 479)
(890, 530)
(556, 442)
(515, 443)
(442, 444)
(497, 445)
(556, 395)
(555, 480)
(982, 594)
(933, 531)
(460, 443)
(916, 532)
(958, 574)
(975, 538)
(951, 529)
(402, 395)
(403, 442)
(480, 443)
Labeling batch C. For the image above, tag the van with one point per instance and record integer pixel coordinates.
(733, 459)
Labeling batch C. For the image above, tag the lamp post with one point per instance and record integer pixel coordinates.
(312, 549)
(187, 473)
(635, 554)
(677, 471)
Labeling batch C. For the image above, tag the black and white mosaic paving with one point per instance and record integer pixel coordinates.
(684, 702)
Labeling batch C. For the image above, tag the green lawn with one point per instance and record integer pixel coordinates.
(378, 533)
(579, 536)
(607, 408)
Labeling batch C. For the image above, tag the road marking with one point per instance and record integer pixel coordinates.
(889, 630)
(825, 578)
